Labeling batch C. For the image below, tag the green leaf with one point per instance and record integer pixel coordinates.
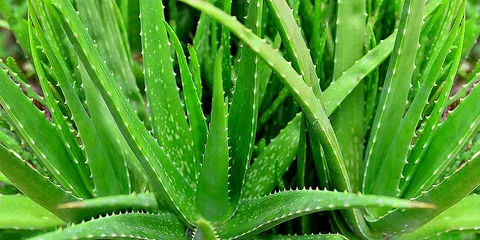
(105, 180)
(165, 179)
(196, 118)
(100, 19)
(347, 120)
(295, 44)
(273, 162)
(302, 93)
(142, 201)
(388, 179)
(394, 94)
(449, 191)
(121, 226)
(462, 216)
(195, 69)
(169, 123)
(39, 188)
(212, 198)
(439, 153)
(259, 214)
(20, 212)
(244, 108)
(32, 125)
(67, 136)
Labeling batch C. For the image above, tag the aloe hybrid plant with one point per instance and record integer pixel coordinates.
(161, 146)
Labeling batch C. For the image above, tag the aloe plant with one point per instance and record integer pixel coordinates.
(97, 144)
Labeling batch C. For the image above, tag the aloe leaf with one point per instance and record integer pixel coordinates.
(338, 90)
(39, 188)
(32, 125)
(462, 216)
(449, 191)
(347, 120)
(395, 91)
(422, 143)
(226, 52)
(115, 203)
(101, 21)
(295, 44)
(212, 198)
(166, 180)
(300, 237)
(302, 93)
(121, 226)
(244, 108)
(273, 162)
(440, 151)
(104, 178)
(162, 92)
(301, 154)
(274, 106)
(195, 69)
(192, 102)
(18, 77)
(388, 179)
(59, 119)
(474, 76)
(259, 214)
(20, 212)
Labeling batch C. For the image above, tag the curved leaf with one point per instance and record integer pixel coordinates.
(20, 212)
(465, 215)
(259, 214)
(143, 201)
(128, 225)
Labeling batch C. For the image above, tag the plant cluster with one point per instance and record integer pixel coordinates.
(257, 119)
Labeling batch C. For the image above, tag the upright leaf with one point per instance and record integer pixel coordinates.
(212, 198)
(244, 108)
(169, 123)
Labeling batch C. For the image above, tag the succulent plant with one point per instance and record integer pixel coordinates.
(170, 147)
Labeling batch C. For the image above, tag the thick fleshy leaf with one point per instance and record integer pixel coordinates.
(103, 205)
(244, 108)
(347, 120)
(105, 180)
(68, 137)
(449, 191)
(212, 198)
(101, 20)
(33, 126)
(273, 162)
(169, 122)
(196, 118)
(394, 94)
(20, 212)
(292, 39)
(170, 186)
(39, 188)
(388, 180)
(121, 226)
(259, 214)
(463, 216)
